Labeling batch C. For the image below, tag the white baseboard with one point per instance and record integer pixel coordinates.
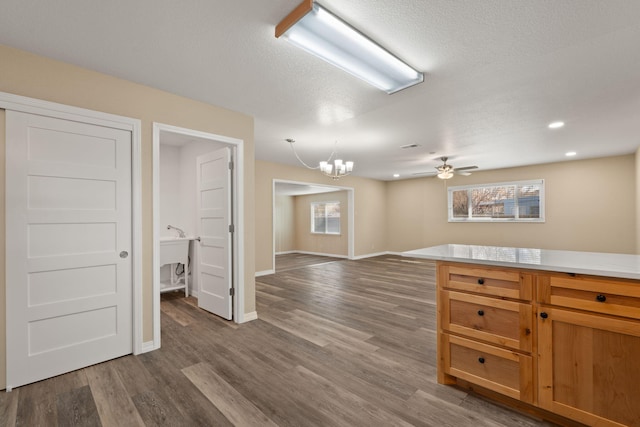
(265, 273)
(248, 317)
(286, 252)
(322, 254)
(149, 346)
(371, 255)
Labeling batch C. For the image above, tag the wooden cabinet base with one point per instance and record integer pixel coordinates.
(516, 404)
(550, 344)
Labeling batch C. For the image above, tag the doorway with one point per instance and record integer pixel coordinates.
(181, 199)
(284, 189)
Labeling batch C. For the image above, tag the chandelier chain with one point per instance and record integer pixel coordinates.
(295, 153)
(334, 171)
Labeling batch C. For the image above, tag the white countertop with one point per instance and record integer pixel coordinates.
(594, 263)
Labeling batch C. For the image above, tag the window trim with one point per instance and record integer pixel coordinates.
(469, 218)
(312, 217)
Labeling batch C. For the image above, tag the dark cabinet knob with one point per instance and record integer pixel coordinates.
(480, 312)
(480, 281)
(544, 315)
(481, 359)
(601, 298)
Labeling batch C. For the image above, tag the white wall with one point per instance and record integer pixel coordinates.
(170, 174)
(178, 195)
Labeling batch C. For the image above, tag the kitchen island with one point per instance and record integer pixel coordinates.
(550, 332)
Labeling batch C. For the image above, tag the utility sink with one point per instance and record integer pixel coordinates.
(174, 250)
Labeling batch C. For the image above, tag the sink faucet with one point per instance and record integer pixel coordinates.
(180, 232)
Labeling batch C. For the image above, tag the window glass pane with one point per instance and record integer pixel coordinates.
(319, 224)
(529, 201)
(493, 202)
(333, 225)
(460, 202)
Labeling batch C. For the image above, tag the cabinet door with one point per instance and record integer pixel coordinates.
(589, 367)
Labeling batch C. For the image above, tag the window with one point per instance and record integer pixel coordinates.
(508, 201)
(325, 217)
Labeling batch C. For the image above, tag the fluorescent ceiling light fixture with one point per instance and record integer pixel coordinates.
(570, 153)
(556, 125)
(316, 30)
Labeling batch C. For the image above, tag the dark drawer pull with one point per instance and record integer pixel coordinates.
(480, 281)
(544, 315)
(601, 298)
(480, 312)
(481, 359)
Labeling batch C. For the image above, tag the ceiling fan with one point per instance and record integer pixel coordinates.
(446, 171)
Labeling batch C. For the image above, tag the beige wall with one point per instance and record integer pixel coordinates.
(322, 243)
(34, 76)
(590, 206)
(285, 231)
(369, 208)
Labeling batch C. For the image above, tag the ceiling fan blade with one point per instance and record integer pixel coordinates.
(463, 173)
(466, 168)
(423, 173)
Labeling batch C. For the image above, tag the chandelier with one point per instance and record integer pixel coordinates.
(333, 168)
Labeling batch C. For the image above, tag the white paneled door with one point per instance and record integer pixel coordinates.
(69, 240)
(214, 226)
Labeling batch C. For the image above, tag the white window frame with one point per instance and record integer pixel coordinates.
(325, 232)
(469, 188)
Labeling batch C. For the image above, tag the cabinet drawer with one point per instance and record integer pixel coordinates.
(490, 367)
(601, 295)
(500, 282)
(500, 322)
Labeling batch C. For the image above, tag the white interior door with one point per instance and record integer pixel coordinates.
(68, 263)
(214, 229)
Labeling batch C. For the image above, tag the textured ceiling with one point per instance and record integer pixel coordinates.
(497, 72)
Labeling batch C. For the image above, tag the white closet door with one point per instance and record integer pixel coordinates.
(68, 226)
(214, 220)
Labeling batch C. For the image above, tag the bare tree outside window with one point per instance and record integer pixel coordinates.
(460, 204)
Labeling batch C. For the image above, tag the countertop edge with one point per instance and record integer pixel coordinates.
(520, 265)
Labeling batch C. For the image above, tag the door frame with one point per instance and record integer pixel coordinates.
(350, 216)
(237, 218)
(24, 104)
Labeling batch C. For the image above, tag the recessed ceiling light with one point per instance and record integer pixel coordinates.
(570, 153)
(396, 175)
(556, 125)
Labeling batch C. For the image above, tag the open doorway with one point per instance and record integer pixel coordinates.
(305, 221)
(198, 220)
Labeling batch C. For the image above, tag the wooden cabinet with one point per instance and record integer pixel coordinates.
(486, 325)
(589, 359)
(565, 345)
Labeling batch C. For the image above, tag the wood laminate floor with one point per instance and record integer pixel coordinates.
(343, 343)
(295, 260)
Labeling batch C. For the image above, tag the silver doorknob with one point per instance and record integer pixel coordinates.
(124, 254)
